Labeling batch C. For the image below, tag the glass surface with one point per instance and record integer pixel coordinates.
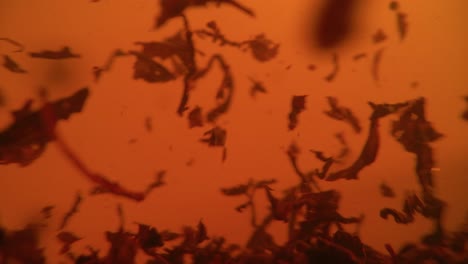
(129, 129)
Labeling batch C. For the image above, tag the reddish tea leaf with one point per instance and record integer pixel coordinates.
(336, 67)
(264, 183)
(402, 23)
(148, 237)
(173, 8)
(167, 235)
(280, 209)
(345, 147)
(215, 34)
(386, 191)
(359, 56)
(216, 137)
(376, 64)
(415, 133)
(311, 67)
(195, 117)
(379, 36)
(259, 242)
(342, 113)
(123, 248)
(47, 211)
(371, 147)
(2, 98)
(243, 206)
(202, 233)
(11, 65)
(411, 205)
(148, 124)
(176, 46)
(257, 87)
(465, 113)
(149, 70)
(262, 48)
(306, 178)
(236, 190)
(73, 210)
(97, 71)
(26, 138)
(64, 53)
(15, 43)
(224, 155)
(328, 161)
(158, 182)
(22, 246)
(297, 106)
(225, 90)
(67, 239)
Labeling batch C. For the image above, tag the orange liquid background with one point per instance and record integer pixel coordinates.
(434, 54)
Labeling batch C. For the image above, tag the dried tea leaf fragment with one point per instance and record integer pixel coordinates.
(386, 190)
(195, 117)
(148, 237)
(26, 138)
(123, 248)
(11, 65)
(64, 53)
(342, 113)
(47, 211)
(376, 60)
(297, 106)
(371, 147)
(379, 36)
(262, 48)
(67, 239)
(149, 70)
(215, 137)
(97, 71)
(336, 67)
(465, 113)
(15, 43)
(173, 8)
(21, 246)
(257, 87)
(359, 56)
(402, 23)
(73, 210)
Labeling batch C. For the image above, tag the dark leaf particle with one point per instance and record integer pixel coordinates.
(402, 23)
(297, 106)
(376, 64)
(195, 117)
(14, 43)
(371, 147)
(73, 210)
(64, 53)
(465, 113)
(262, 48)
(11, 65)
(343, 114)
(379, 36)
(257, 87)
(386, 191)
(67, 239)
(26, 139)
(336, 67)
(173, 8)
(215, 137)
